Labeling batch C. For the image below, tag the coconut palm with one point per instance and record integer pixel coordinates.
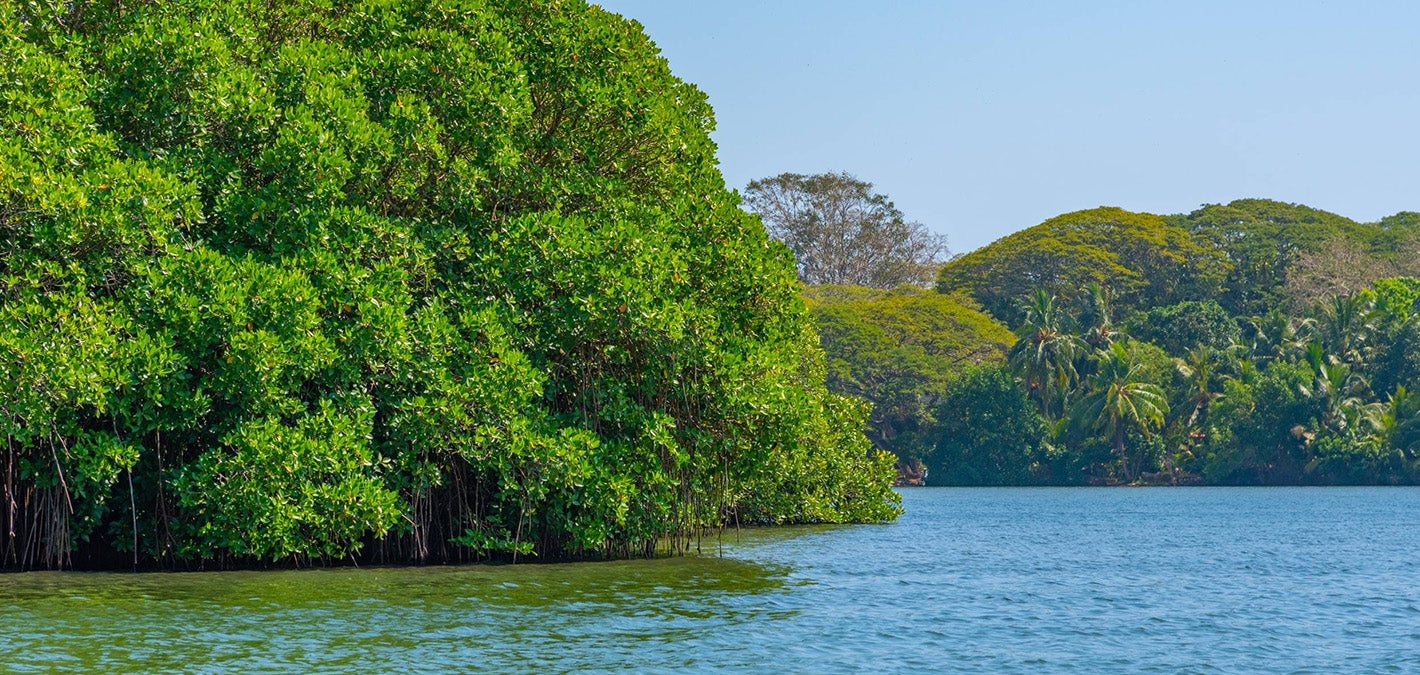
(1399, 423)
(1201, 383)
(1278, 337)
(1346, 327)
(1120, 399)
(1097, 318)
(1339, 393)
(1044, 353)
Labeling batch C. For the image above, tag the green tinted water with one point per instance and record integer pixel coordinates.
(440, 619)
(975, 580)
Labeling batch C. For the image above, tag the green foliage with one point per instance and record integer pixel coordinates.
(279, 490)
(990, 433)
(1398, 298)
(418, 281)
(1118, 399)
(1258, 428)
(1358, 459)
(806, 485)
(1143, 260)
(1186, 326)
(1154, 364)
(1045, 353)
(1399, 425)
(1397, 365)
(1304, 403)
(1263, 239)
(1271, 343)
(898, 349)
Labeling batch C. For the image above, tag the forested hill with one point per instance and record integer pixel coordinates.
(1253, 342)
(1250, 255)
(395, 281)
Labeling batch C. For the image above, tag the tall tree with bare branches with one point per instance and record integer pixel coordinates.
(842, 232)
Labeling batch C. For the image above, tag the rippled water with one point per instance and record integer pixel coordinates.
(989, 580)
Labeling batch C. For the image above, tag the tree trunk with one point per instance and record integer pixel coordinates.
(1122, 452)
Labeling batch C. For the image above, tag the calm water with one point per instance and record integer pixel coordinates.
(988, 580)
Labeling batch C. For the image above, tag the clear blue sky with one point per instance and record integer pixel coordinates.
(983, 118)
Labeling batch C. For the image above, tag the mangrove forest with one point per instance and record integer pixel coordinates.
(388, 281)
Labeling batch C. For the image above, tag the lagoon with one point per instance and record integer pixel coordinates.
(968, 580)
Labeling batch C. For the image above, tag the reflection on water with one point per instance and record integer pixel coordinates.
(345, 620)
(978, 580)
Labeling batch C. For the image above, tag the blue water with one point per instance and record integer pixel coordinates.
(1165, 580)
(969, 580)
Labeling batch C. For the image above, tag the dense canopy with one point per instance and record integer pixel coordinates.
(1281, 253)
(410, 280)
(1253, 342)
(1140, 257)
(898, 349)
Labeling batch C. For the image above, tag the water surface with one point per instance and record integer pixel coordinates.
(975, 580)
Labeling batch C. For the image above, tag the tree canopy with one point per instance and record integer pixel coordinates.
(1186, 326)
(898, 349)
(843, 233)
(1269, 244)
(989, 433)
(408, 280)
(1253, 342)
(1142, 259)
(1322, 397)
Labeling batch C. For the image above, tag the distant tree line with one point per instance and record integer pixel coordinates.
(1324, 397)
(1255, 342)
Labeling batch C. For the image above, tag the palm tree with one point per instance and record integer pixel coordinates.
(1399, 423)
(1097, 318)
(1277, 337)
(1340, 393)
(1201, 374)
(1044, 353)
(1347, 326)
(1201, 380)
(1119, 399)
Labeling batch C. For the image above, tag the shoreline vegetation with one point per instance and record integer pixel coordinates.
(388, 282)
(1253, 343)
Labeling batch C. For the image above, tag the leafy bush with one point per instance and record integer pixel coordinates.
(1186, 326)
(989, 433)
(898, 349)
